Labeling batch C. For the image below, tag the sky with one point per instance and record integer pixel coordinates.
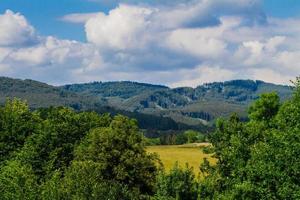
(171, 42)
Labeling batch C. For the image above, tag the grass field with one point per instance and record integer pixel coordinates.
(191, 154)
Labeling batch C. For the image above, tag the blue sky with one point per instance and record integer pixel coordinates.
(87, 40)
(282, 8)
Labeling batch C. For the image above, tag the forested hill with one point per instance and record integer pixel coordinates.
(184, 106)
(235, 90)
(39, 94)
(123, 89)
(189, 105)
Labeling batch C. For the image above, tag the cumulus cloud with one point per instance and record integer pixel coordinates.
(181, 36)
(196, 42)
(15, 30)
(52, 60)
(122, 28)
(25, 54)
(183, 44)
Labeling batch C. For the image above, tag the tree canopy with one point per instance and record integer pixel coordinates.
(258, 159)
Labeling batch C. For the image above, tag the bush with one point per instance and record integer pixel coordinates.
(178, 184)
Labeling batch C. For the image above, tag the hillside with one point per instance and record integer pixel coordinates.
(43, 95)
(122, 89)
(191, 106)
(155, 106)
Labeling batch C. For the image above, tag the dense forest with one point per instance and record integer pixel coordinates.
(59, 153)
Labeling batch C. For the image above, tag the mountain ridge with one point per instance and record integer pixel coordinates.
(194, 107)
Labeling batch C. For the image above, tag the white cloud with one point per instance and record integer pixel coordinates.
(196, 42)
(123, 28)
(52, 60)
(78, 17)
(15, 30)
(203, 74)
(289, 61)
(270, 75)
(29, 56)
(131, 26)
(274, 43)
(3, 53)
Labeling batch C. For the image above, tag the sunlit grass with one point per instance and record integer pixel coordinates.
(192, 154)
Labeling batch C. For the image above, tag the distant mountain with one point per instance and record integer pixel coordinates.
(155, 106)
(192, 106)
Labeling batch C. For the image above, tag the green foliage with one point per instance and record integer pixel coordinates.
(123, 89)
(265, 108)
(179, 184)
(69, 155)
(151, 141)
(17, 181)
(194, 136)
(51, 189)
(61, 129)
(83, 180)
(258, 159)
(109, 163)
(181, 139)
(119, 155)
(16, 124)
(189, 136)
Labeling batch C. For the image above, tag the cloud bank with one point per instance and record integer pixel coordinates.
(183, 44)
